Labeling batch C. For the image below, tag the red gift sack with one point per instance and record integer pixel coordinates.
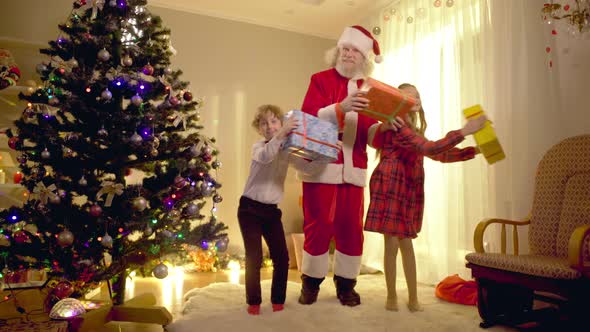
(456, 290)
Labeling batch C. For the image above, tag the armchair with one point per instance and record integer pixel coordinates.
(556, 269)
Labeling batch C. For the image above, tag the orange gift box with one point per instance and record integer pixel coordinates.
(385, 102)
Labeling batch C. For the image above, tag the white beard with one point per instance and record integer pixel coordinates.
(347, 71)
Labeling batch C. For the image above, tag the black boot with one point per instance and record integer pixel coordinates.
(345, 291)
(310, 287)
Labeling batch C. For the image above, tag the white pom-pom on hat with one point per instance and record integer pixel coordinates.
(362, 40)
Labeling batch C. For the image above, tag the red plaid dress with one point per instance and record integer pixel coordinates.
(397, 183)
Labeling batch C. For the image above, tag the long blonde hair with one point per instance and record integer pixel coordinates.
(416, 121)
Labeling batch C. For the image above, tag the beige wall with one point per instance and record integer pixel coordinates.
(234, 66)
(237, 67)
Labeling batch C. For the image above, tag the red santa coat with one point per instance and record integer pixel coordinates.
(397, 183)
(333, 197)
(327, 88)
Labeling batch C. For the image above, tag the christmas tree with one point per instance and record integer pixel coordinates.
(112, 155)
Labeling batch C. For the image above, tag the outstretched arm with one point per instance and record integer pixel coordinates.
(408, 139)
(455, 154)
(443, 149)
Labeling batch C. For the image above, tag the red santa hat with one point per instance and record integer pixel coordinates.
(362, 40)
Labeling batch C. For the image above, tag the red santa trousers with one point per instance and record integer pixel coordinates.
(332, 211)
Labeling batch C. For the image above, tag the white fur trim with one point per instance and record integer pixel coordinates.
(328, 113)
(316, 266)
(342, 173)
(333, 174)
(348, 138)
(356, 176)
(346, 266)
(354, 37)
(352, 87)
(378, 59)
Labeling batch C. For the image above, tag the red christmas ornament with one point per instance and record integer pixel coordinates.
(566, 7)
(179, 181)
(95, 210)
(187, 96)
(63, 289)
(548, 49)
(553, 32)
(148, 69)
(21, 237)
(12, 142)
(173, 101)
(17, 177)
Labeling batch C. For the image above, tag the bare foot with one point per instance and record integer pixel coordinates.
(391, 304)
(414, 306)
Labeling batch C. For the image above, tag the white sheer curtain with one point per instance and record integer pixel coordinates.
(474, 52)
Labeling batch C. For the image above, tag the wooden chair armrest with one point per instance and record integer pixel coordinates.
(575, 254)
(481, 227)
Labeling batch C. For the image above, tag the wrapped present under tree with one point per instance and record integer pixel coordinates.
(313, 139)
(385, 102)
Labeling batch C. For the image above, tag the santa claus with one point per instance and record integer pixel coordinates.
(333, 199)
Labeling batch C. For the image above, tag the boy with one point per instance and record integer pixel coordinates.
(258, 213)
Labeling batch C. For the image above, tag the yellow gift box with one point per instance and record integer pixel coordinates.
(486, 139)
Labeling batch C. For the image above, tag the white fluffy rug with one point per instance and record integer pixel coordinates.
(222, 307)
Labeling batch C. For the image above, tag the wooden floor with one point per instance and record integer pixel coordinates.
(169, 292)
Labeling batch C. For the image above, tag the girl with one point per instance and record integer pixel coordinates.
(397, 189)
